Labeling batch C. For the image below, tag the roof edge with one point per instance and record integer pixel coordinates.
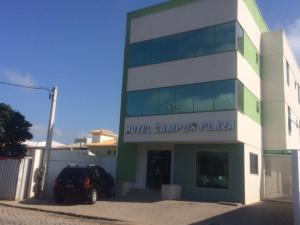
(158, 8)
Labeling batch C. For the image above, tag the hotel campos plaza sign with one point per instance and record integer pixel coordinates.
(188, 127)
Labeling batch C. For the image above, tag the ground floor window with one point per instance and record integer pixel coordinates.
(253, 163)
(212, 169)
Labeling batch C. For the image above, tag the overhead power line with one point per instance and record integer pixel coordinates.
(26, 86)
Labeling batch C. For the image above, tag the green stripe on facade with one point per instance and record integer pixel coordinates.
(277, 152)
(251, 54)
(127, 162)
(251, 108)
(127, 153)
(256, 13)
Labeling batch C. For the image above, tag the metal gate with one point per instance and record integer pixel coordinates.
(14, 178)
(278, 176)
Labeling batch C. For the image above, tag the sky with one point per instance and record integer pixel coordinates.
(78, 45)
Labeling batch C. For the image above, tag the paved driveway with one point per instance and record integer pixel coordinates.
(175, 212)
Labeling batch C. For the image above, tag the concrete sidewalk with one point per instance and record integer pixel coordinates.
(170, 212)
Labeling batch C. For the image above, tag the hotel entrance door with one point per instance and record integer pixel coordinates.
(158, 169)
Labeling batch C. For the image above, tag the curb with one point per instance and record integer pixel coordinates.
(66, 213)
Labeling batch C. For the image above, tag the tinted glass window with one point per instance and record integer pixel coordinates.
(224, 95)
(184, 99)
(134, 103)
(197, 43)
(73, 173)
(212, 170)
(149, 102)
(167, 100)
(137, 54)
(225, 37)
(203, 97)
(289, 121)
(253, 163)
(288, 73)
(171, 48)
(219, 38)
(153, 51)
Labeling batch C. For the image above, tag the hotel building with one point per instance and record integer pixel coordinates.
(208, 90)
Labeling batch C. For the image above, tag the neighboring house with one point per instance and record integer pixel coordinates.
(83, 140)
(104, 143)
(196, 75)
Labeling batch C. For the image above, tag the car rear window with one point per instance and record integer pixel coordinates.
(71, 173)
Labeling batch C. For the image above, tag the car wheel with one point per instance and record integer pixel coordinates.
(58, 199)
(92, 199)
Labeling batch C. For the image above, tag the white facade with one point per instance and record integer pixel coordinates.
(279, 94)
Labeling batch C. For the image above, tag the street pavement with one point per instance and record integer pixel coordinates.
(17, 216)
(164, 212)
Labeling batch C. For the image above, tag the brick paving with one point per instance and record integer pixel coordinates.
(174, 212)
(17, 216)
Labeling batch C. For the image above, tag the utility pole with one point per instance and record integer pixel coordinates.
(47, 151)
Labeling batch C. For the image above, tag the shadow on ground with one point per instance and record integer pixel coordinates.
(264, 213)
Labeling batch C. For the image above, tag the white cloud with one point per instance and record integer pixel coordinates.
(293, 33)
(18, 78)
(39, 132)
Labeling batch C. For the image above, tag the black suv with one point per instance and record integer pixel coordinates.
(85, 183)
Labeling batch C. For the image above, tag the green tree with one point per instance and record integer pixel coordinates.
(14, 130)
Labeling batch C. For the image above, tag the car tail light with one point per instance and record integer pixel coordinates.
(87, 183)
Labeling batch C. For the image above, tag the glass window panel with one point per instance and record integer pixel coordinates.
(212, 169)
(288, 73)
(197, 43)
(167, 100)
(253, 163)
(171, 48)
(240, 38)
(289, 121)
(134, 101)
(154, 51)
(184, 99)
(149, 102)
(137, 54)
(224, 95)
(203, 97)
(225, 37)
